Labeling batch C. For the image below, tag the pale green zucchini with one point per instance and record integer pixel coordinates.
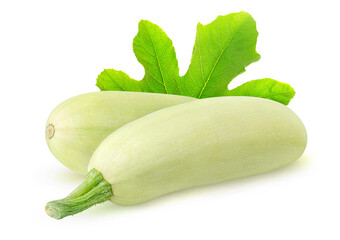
(77, 126)
(191, 144)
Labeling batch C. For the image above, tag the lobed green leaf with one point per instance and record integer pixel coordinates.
(222, 51)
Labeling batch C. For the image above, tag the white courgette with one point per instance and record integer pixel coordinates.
(77, 126)
(191, 144)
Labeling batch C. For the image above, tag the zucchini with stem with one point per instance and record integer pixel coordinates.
(196, 143)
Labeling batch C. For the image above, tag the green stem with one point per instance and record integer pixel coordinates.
(93, 178)
(95, 189)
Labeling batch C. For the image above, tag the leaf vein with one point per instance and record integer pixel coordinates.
(218, 58)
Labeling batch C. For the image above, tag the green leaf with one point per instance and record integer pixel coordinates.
(265, 88)
(112, 80)
(154, 50)
(222, 50)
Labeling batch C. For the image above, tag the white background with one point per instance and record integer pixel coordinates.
(52, 50)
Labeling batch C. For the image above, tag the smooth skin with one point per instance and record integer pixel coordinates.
(191, 144)
(76, 127)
